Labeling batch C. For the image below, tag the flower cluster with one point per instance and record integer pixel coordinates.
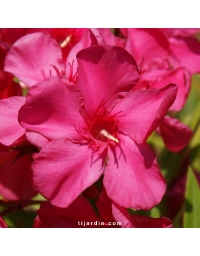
(77, 107)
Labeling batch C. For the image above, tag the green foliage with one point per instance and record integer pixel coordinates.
(20, 219)
(191, 218)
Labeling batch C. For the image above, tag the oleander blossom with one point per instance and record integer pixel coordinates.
(98, 127)
(151, 49)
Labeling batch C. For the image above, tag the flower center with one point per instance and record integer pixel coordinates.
(104, 129)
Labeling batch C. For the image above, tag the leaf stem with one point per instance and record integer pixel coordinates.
(15, 205)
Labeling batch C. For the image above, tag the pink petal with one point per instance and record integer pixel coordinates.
(104, 205)
(16, 181)
(33, 55)
(187, 51)
(141, 111)
(63, 170)
(91, 37)
(104, 74)
(181, 77)
(138, 221)
(36, 139)
(2, 223)
(175, 134)
(10, 129)
(78, 211)
(132, 177)
(38, 223)
(52, 110)
(110, 38)
(147, 45)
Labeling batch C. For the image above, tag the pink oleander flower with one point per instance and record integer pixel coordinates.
(50, 63)
(97, 126)
(151, 48)
(15, 181)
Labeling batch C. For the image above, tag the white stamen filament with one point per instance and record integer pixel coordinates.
(107, 135)
(65, 42)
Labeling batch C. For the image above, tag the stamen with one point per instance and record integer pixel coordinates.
(65, 42)
(42, 71)
(56, 69)
(107, 135)
(72, 77)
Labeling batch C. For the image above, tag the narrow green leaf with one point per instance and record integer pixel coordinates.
(191, 218)
(195, 150)
(20, 219)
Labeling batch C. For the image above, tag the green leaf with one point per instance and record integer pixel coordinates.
(20, 219)
(195, 158)
(191, 218)
(195, 150)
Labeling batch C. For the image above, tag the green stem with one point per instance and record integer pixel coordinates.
(15, 205)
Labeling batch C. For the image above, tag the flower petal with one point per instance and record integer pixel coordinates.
(16, 182)
(187, 51)
(111, 39)
(36, 139)
(141, 111)
(147, 45)
(175, 134)
(91, 37)
(160, 77)
(10, 129)
(52, 109)
(63, 170)
(104, 74)
(132, 177)
(104, 206)
(138, 221)
(33, 55)
(38, 223)
(78, 211)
